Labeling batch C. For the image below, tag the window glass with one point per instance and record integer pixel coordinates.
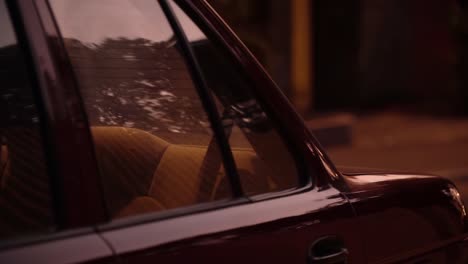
(150, 131)
(25, 198)
(153, 141)
(262, 158)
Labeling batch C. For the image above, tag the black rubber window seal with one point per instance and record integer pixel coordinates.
(206, 99)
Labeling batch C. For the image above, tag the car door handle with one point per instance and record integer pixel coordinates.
(328, 250)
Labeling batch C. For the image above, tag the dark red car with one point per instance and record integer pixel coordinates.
(143, 131)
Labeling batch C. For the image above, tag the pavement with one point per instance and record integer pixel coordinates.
(399, 141)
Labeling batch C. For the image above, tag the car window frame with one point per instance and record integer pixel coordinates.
(304, 183)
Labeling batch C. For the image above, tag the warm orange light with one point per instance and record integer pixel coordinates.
(301, 64)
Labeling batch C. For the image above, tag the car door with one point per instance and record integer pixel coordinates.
(39, 223)
(201, 158)
(312, 227)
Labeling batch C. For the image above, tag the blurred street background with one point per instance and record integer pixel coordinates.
(383, 84)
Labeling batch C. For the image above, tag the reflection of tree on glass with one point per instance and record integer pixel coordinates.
(137, 83)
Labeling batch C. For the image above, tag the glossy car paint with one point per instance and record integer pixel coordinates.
(62, 249)
(381, 218)
(408, 218)
(273, 231)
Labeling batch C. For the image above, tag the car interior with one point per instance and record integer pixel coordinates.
(153, 142)
(144, 173)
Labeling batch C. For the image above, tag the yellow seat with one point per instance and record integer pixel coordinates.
(143, 173)
(127, 159)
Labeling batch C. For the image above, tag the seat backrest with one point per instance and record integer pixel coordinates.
(177, 182)
(142, 172)
(127, 158)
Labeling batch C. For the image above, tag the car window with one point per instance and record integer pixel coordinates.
(153, 141)
(269, 166)
(25, 197)
(150, 131)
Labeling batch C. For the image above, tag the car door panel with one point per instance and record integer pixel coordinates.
(407, 218)
(81, 248)
(276, 231)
